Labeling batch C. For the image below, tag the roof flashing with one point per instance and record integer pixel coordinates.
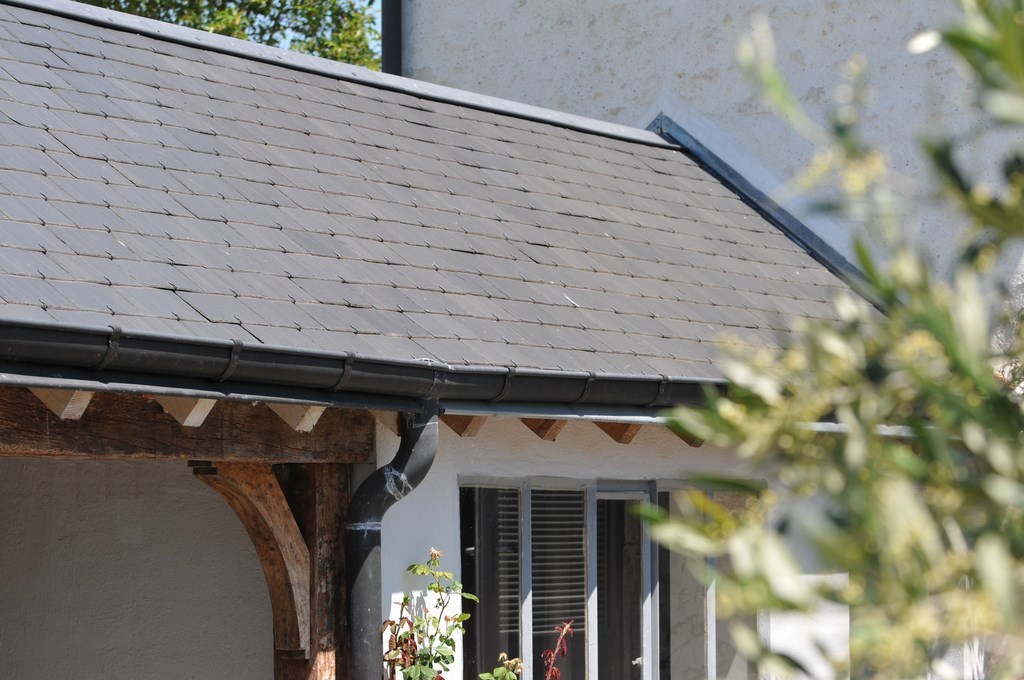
(757, 199)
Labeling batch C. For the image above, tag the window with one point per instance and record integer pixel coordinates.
(543, 552)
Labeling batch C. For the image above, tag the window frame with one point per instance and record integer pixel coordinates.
(642, 490)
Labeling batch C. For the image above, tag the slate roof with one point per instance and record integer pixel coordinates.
(185, 186)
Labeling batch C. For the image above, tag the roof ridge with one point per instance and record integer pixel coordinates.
(334, 69)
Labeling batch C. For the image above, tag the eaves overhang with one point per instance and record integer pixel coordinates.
(112, 359)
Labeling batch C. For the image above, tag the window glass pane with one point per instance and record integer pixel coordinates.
(559, 572)
(490, 570)
(619, 584)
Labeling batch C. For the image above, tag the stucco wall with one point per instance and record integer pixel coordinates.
(626, 61)
(506, 449)
(125, 570)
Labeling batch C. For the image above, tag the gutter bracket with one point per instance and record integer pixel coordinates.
(113, 344)
(236, 349)
(661, 391)
(508, 384)
(586, 389)
(346, 373)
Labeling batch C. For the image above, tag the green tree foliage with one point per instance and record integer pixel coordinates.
(342, 30)
(889, 447)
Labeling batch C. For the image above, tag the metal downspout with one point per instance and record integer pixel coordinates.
(380, 491)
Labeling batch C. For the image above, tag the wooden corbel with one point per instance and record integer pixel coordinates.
(188, 411)
(298, 417)
(253, 492)
(622, 433)
(65, 404)
(693, 442)
(388, 419)
(464, 426)
(545, 429)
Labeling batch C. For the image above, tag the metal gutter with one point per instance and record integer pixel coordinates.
(775, 214)
(51, 355)
(25, 375)
(334, 69)
(382, 489)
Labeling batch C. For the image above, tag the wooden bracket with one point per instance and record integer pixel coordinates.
(545, 429)
(65, 404)
(299, 418)
(253, 492)
(622, 433)
(188, 411)
(464, 426)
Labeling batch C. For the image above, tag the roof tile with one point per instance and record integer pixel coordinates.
(166, 187)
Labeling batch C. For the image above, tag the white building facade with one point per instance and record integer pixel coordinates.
(627, 62)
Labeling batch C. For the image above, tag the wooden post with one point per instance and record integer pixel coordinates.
(328, 601)
(319, 495)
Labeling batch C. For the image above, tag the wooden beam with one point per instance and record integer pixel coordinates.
(65, 404)
(388, 419)
(622, 433)
(253, 492)
(464, 426)
(545, 429)
(120, 426)
(186, 410)
(298, 417)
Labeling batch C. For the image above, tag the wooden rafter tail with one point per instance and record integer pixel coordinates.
(188, 411)
(546, 429)
(622, 433)
(300, 418)
(65, 404)
(464, 426)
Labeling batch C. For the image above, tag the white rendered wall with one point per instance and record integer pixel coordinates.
(126, 570)
(506, 449)
(627, 61)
